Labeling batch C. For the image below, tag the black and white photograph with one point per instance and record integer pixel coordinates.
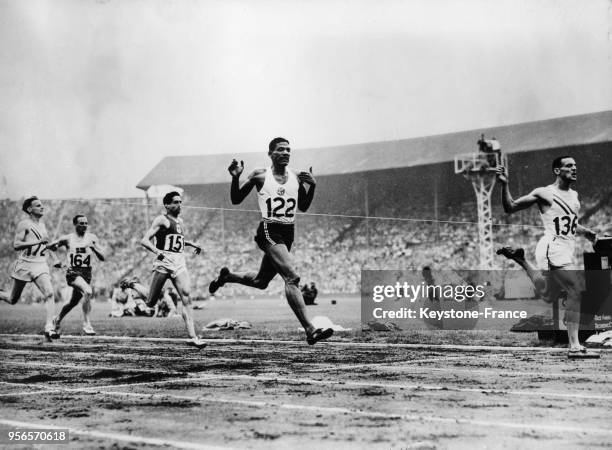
(305, 224)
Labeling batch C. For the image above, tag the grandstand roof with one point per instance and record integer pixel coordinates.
(545, 134)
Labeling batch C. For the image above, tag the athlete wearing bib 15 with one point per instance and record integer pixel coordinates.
(171, 241)
(277, 204)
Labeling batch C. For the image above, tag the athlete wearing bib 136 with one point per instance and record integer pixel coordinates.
(277, 204)
(559, 208)
(280, 191)
(556, 247)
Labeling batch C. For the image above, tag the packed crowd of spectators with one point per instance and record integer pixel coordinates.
(329, 251)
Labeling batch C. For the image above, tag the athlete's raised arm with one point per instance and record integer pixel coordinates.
(305, 197)
(147, 240)
(239, 192)
(513, 205)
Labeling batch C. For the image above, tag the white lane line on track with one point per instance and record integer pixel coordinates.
(119, 355)
(408, 363)
(83, 367)
(469, 348)
(341, 410)
(408, 368)
(410, 386)
(114, 436)
(93, 389)
(427, 387)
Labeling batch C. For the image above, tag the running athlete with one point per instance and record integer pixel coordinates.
(559, 206)
(80, 248)
(30, 241)
(279, 191)
(168, 232)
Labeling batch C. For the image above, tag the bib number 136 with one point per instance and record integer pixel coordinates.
(277, 204)
(564, 225)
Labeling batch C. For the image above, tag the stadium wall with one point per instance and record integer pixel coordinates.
(429, 186)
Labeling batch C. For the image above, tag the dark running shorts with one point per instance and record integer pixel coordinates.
(269, 234)
(73, 272)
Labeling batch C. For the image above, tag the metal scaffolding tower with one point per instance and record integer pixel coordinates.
(480, 169)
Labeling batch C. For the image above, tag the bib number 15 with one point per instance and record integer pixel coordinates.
(276, 205)
(174, 243)
(564, 225)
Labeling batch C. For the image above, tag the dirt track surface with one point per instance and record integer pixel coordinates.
(142, 393)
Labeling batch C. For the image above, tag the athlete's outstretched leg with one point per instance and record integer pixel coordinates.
(182, 284)
(567, 280)
(281, 258)
(15, 294)
(67, 307)
(259, 280)
(157, 283)
(43, 282)
(535, 275)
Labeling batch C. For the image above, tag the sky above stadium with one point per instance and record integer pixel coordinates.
(94, 94)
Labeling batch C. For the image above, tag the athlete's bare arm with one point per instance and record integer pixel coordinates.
(587, 233)
(305, 197)
(196, 247)
(62, 241)
(513, 205)
(239, 192)
(147, 241)
(19, 242)
(95, 247)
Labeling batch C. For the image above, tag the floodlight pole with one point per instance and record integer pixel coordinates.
(483, 184)
(480, 169)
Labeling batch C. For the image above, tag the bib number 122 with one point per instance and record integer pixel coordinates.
(277, 204)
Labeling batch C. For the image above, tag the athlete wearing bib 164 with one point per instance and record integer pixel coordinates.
(279, 192)
(81, 246)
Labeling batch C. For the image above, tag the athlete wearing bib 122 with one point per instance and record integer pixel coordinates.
(556, 248)
(79, 257)
(277, 204)
(171, 242)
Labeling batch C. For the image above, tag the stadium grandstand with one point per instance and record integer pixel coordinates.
(382, 205)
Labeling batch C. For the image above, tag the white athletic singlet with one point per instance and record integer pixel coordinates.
(79, 250)
(561, 219)
(36, 232)
(556, 247)
(278, 202)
